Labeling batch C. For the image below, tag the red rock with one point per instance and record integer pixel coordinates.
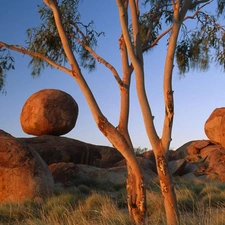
(49, 112)
(190, 148)
(55, 149)
(64, 172)
(207, 150)
(215, 126)
(196, 146)
(23, 174)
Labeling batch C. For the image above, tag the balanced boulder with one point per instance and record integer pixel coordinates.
(49, 112)
(215, 126)
(23, 174)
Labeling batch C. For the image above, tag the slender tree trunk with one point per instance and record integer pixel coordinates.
(166, 185)
(136, 193)
(136, 196)
(120, 140)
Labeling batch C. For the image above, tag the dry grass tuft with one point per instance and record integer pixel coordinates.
(198, 202)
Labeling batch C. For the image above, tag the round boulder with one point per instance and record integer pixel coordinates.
(215, 126)
(49, 112)
(23, 174)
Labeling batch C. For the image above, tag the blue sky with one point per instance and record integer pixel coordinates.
(196, 95)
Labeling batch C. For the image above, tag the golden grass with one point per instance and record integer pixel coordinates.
(199, 204)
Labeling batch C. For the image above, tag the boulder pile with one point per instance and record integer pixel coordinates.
(30, 166)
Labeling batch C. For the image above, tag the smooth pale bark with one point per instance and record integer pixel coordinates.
(118, 137)
(160, 146)
(135, 184)
(166, 185)
(161, 152)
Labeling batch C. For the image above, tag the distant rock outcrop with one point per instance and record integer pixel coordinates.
(204, 160)
(49, 112)
(215, 126)
(23, 174)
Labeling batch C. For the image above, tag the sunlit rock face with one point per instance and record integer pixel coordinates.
(23, 174)
(215, 126)
(49, 112)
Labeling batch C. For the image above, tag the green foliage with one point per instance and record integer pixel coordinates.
(220, 7)
(45, 39)
(197, 47)
(6, 64)
(139, 150)
(151, 22)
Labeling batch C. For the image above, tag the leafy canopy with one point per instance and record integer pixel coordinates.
(46, 41)
(196, 48)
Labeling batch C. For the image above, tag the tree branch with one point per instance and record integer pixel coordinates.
(97, 57)
(140, 86)
(21, 49)
(155, 42)
(200, 2)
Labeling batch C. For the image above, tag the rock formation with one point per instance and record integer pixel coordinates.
(23, 174)
(49, 112)
(207, 161)
(64, 173)
(55, 149)
(215, 126)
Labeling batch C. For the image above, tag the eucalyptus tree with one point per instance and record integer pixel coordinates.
(63, 38)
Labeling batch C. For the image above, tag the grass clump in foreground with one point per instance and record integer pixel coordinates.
(198, 202)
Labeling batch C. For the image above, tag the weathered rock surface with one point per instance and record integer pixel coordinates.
(64, 173)
(23, 174)
(203, 159)
(115, 175)
(49, 112)
(177, 167)
(55, 149)
(190, 148)
(215, 126)
(145, 163)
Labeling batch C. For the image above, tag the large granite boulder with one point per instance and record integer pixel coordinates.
(23, 174)
(49, 112)
(109, 156)
(55, 149)
(215, 126)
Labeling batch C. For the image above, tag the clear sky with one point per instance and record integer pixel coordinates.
(196, 95)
